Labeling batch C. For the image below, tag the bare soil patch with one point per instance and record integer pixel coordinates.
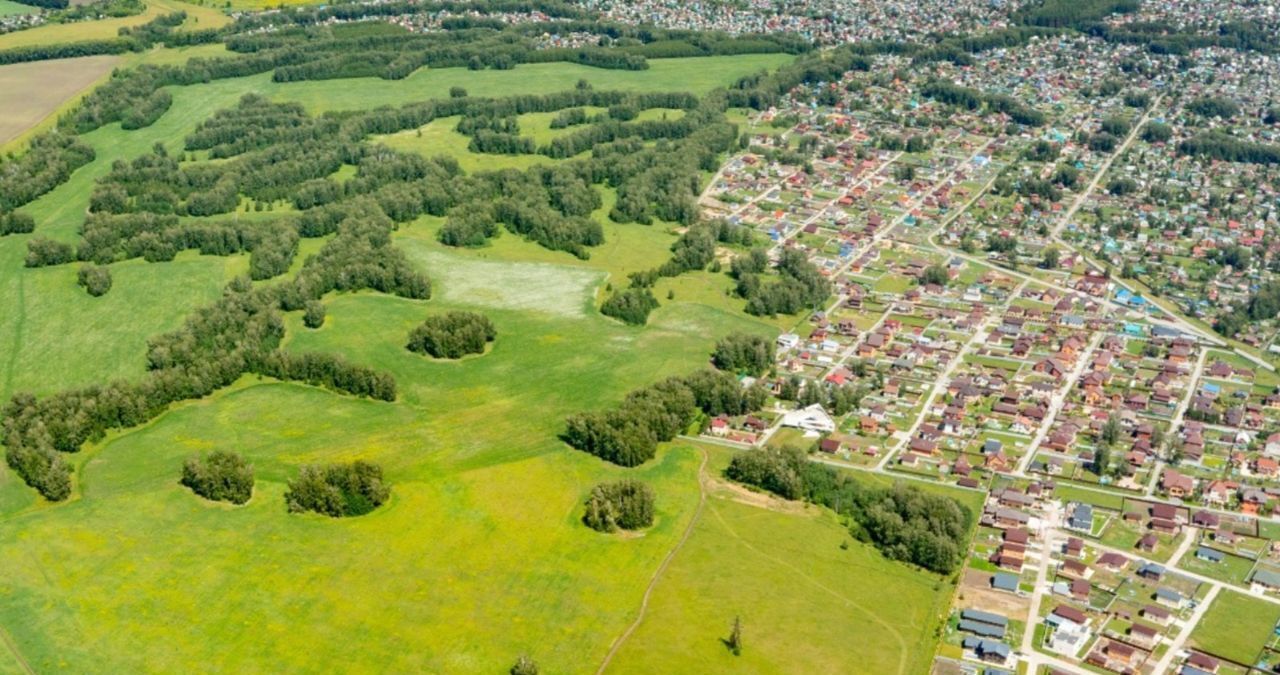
(33, 91)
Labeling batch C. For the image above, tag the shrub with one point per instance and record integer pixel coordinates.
(631, 306)
(16, 223)
(452, 335)
(220, 476)
(338, 490)
(524, 666)
(96, 279)
(626, 504)
(42, 252)
(313, 315)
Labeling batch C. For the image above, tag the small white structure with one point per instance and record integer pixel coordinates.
(788, 341)
(812, 418)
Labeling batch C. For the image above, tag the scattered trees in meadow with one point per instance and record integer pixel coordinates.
(338, 490)
(626, 504)
(452, 335)
(220, 476)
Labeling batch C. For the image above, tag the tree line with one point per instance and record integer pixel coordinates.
(629, 434)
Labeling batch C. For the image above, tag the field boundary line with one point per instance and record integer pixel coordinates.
(657, 574)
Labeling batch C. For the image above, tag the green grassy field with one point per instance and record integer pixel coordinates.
(1236, 627)
(11, 8)
(478, 557)
(807, 604)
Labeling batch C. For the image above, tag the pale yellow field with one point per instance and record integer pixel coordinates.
(41, 87)
(197, 17)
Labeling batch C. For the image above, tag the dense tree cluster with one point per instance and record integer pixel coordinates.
(16, 223)
(220, 476)
(452, 335)
(904, 522)
(1263, 305)
(338, 490)
(629, 434)
(630, 305)
(46, 164)
(743, 353)
(1220, 146)
(973, 99)
(800, 286)
(626, 504)
(1214, 106)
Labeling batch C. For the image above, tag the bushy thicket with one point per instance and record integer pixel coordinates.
(904, 522)
(631, 305)
(626, 504)
(94, 279)
(338, 490)
(220, 476)
(743, 353)
(16, 223)
(452, 335)
(629, 434)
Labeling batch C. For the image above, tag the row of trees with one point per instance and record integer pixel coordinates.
(904, 522)
(452, 335)
(629, 434)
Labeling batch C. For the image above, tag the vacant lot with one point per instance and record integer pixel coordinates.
(36, 90)
(1236, 627)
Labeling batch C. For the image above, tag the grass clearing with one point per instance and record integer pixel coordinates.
(11, 8)
(1236, 627)
(807, 602)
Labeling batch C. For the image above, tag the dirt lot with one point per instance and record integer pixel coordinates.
(35, 90)
(976, 593)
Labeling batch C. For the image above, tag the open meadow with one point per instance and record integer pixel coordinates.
(479, 555)
(1236, 627)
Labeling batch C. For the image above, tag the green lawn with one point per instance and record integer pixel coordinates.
(811, 599)
(1236, 627)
